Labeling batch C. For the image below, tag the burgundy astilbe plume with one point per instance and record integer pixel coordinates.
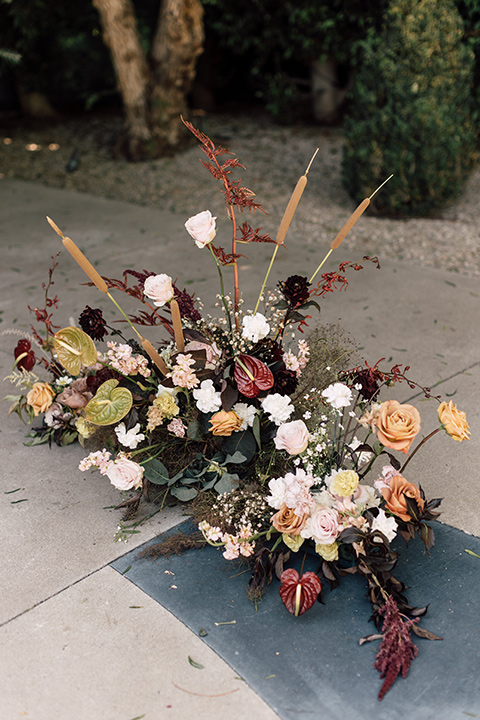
(396, 650)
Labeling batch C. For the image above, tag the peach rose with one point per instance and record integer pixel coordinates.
(224, 423)
(292, 437)
(40, 397)
(395, 496)
(454, 421)
(397, 425)
(286, 521)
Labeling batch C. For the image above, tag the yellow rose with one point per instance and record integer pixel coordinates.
(40, 397)
(344, 483)
(84, 428)
(327, 552)
(454, 421)
(224, 423)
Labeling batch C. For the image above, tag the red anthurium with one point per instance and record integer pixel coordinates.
(299, 594)
(24, 355)
(252, 376)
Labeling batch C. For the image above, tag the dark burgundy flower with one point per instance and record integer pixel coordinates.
(267, 350)
(92, 322)
(295, 289)
(27, 362)
(106, 373)
(299, 594)
(186, 304)
(286, 382)
(366, 378)
(252, 376)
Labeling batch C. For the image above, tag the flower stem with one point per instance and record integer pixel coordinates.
(434, 432)
(222, 287)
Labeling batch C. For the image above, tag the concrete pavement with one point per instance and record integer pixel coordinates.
(77, 639)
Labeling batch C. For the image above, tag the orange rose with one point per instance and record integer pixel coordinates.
(395, 496)
(224, 423)
(454, 421)
(40, 397)
(397, 425)
(285, 521)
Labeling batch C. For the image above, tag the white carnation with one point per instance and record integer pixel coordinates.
(246, 413)
(338, 395)
(279, 407)
(208, 399)
(255, 327)
(386, 525)
(278, 488)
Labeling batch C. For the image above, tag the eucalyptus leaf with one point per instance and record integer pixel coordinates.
(194, 431)
(243, 442)
(236, 459)
(156, 472)
(184, 494)
(226, 483)
(256, 431)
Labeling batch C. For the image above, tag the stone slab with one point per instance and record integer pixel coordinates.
(104, 650)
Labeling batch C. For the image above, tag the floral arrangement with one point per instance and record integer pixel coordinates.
(268, 431)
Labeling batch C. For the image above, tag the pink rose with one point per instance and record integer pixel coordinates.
(202, 228)
(322, 526)
(292, 437)
(159, 289)
(124, 473)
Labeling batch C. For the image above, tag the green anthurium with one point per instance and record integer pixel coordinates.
(109, 405)
(74, 348)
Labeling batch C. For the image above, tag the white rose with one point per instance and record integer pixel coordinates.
(159, 289)
(125, 474)
(255, 327)
(292, 437)
(202, 228)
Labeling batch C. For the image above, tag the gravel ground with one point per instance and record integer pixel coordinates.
(274, 158)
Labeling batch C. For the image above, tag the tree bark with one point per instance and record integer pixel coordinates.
(120, 34)
(177, 44)
(154, 97)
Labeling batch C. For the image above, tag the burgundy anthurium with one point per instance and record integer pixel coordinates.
(24, 355)
(299, 594)
(252, 376)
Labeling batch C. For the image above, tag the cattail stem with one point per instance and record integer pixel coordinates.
(286, 220)
(342, 234)
(177, 326)
(100, 283)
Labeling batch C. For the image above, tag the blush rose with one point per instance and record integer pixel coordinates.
(159, 288)
(125, 474)
(202, 228)
(292, 437)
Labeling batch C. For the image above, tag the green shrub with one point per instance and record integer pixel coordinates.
(410, 111)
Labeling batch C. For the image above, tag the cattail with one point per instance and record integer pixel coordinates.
(350, 223)
(154, 356)
(177, 326)
(80, 258)
(292, 204)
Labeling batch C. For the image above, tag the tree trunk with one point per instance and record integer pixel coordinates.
(154, 99)
(178, 43)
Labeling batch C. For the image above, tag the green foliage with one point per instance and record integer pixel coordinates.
(277, 42)
(410, 111)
